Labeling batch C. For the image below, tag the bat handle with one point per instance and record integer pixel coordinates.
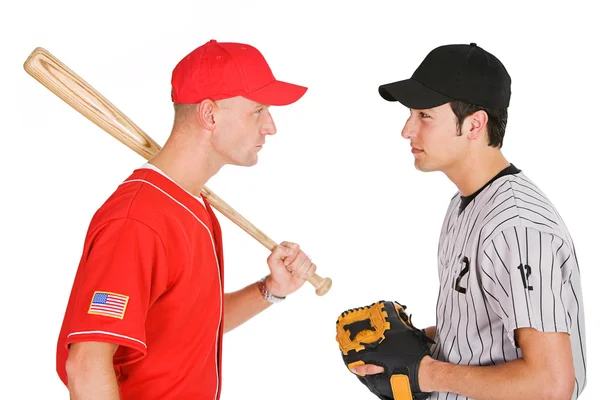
(322, 285)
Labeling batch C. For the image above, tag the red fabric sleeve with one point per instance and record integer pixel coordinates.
(121, 273)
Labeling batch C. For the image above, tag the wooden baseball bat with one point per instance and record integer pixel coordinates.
(77, 93)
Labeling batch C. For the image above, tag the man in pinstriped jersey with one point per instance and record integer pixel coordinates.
(510, 319)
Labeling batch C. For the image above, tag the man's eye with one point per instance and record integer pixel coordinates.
(423, 115)
(260, 110)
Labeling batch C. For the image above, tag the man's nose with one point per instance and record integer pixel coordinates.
(269, 127)
(410, 129)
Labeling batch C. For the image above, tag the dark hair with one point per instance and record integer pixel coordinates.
(497, 119)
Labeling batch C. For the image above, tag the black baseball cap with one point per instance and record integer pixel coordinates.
(453, 72)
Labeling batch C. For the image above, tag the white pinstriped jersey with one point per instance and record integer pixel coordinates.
(506, 261)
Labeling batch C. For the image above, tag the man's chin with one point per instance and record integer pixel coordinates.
(252, 161)
(424, 167)
(247, 163)
(419, 166)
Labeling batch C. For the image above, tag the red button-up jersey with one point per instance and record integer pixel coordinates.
(150, 279)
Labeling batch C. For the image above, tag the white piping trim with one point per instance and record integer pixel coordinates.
(188, 210)
(218, 271)
(107, 333)
(156, 169)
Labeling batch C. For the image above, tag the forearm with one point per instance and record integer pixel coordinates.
(289, 269)
(430, 332)
(94, 386)
(512, 380)
(91, 378)
(242, 305)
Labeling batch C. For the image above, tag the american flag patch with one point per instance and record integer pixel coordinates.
(108, 304)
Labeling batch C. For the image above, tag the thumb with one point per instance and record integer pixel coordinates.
(280, 252)
(367, 369)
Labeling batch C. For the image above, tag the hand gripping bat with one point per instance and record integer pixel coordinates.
(77, 93)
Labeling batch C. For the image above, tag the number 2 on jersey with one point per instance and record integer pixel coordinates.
(462, 273)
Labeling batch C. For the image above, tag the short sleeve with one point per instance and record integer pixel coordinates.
(121, 273)
(524, 272)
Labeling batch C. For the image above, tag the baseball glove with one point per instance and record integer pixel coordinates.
(383, 334)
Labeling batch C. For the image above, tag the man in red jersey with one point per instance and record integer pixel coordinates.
(147, 311)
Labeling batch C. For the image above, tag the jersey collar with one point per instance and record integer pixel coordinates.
(464, 201)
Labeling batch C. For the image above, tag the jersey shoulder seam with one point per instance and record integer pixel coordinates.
(555, 234)
(128, 217)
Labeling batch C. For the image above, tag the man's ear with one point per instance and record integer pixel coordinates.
(476, 124)
(205, 114)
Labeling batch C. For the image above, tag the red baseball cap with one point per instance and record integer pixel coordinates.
(221, 70)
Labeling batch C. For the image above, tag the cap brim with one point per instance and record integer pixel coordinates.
(277, 93)
(413, 94)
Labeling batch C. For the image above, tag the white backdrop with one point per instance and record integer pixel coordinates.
(337, 178)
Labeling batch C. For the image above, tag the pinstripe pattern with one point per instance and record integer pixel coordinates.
(506, 261)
